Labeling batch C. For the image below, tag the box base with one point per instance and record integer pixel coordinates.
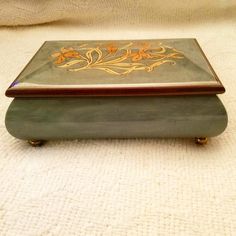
(116, 117)
(39, 143)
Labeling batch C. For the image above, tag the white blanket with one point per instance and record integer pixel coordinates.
(118, 187)
(122, 12)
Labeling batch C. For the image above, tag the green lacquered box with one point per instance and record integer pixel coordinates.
(116, 89)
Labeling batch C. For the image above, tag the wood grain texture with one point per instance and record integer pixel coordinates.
(116, 117)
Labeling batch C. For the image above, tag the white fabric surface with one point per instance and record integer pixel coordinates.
(25, 12)
(119, 187)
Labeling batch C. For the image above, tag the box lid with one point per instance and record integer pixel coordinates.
(117, 68)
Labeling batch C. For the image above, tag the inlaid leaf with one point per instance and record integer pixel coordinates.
(71, 63)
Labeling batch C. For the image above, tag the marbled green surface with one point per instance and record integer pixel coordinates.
(42, 71)
(116, 117)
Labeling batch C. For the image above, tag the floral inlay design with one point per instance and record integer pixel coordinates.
(116, 60)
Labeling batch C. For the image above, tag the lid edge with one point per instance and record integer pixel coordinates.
(154, 91)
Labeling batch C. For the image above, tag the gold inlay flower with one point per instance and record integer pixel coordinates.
(116, 60)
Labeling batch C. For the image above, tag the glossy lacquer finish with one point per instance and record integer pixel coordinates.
(116, 117)
(117, 68)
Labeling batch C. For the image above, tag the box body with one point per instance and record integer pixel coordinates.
(116, 89)
(116, 117)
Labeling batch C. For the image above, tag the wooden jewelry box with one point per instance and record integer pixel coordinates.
(116, 89)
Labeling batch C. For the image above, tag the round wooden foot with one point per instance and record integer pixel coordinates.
(201, 141)
(36, 143)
